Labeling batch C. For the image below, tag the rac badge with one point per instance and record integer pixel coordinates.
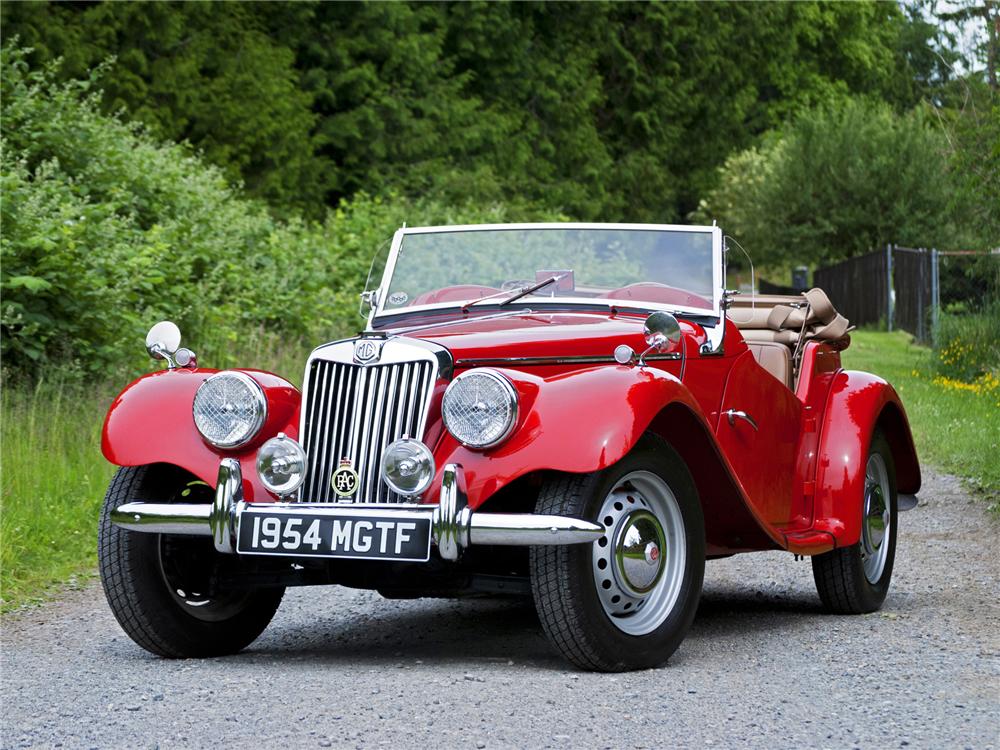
(367, 350)
(345, 479)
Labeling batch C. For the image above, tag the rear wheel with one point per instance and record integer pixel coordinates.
(855, 579)
(627, 600)
(160, 586)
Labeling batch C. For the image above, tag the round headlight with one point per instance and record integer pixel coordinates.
(480, 408)
(281, 465)
(407, 466)
(229, 409)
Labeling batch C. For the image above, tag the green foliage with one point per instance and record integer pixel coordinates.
(974, 152)
(968, 344)
(53, 482)
(205, 73)
(838, 182)
(106, 230)
(955, 428)
(612, 111)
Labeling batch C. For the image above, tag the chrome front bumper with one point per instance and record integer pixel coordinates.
(454, 525)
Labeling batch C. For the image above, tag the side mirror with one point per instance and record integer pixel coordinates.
(660, 329)
(163, 340)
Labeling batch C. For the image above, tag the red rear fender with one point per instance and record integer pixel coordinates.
(150, 422)
(857, 404)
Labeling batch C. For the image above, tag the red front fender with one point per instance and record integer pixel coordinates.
(150, 422)
(857, 404)
(578, 422)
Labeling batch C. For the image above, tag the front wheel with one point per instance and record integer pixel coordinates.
(157, 585)
(855, 579)
(627, 600)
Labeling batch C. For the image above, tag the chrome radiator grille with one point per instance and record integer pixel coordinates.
(354, 412)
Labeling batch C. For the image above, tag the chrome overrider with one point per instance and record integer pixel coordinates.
(454, 525)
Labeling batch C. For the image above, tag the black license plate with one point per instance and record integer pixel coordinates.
(349, 533)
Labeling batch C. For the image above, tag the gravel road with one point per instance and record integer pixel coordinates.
(762, 667)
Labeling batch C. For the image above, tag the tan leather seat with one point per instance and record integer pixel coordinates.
(775, 358)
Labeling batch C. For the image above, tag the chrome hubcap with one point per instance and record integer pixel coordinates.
(639, 562)
(877, 518)
(638, 543)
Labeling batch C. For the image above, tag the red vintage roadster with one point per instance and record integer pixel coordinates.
(579, 412)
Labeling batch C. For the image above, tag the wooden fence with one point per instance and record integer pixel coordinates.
(894, 288)
(857, 287)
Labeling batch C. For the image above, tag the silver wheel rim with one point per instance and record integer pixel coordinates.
(640, 561)
(877, 521)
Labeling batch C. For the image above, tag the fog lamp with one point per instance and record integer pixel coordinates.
(281, 464)
(407, 466)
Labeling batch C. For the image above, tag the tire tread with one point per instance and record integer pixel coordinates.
(123, 567)
(560, 618)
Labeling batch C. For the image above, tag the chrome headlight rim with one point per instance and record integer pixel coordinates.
(509, 391)
(260, 401)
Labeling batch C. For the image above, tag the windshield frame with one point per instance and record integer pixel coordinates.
(718, 276)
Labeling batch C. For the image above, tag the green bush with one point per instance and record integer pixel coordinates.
(836, 182)
(106, 231)
(968, 344)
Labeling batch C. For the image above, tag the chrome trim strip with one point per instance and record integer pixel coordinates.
(516, 529)
(164, 518)
(534, 361)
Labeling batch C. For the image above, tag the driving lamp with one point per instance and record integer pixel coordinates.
(407, 466)
(229, 409)
(480, 408)
(281, 464)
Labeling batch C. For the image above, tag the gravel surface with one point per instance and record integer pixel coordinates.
(762, 667)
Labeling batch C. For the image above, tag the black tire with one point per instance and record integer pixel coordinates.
(563, 580)
(135, 583)
(840, 575)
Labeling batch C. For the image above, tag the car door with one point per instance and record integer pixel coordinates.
(762, 447)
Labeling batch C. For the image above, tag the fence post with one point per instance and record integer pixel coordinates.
(888, 287)
(935, 294)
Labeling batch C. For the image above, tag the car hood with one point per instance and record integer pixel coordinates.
(533, 334)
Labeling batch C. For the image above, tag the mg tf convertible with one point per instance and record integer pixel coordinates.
(580, 413)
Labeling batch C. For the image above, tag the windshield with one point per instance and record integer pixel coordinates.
(676, 268)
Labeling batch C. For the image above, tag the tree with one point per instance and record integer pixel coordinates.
(205, 73)
(837, 182)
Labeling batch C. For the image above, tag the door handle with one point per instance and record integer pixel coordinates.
(732, 415)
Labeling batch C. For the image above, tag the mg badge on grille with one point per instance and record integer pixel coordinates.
(367, 350)
(345, 479)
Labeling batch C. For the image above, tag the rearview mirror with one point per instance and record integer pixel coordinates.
(163, 340)
(660, 329)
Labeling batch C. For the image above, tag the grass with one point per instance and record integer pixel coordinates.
(956, 425)
(53, 479)
(54, 476)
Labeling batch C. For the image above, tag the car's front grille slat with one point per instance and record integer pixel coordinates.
(354, 412)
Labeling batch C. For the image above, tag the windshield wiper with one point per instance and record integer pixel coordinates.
(529, 289)
(518, 293)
